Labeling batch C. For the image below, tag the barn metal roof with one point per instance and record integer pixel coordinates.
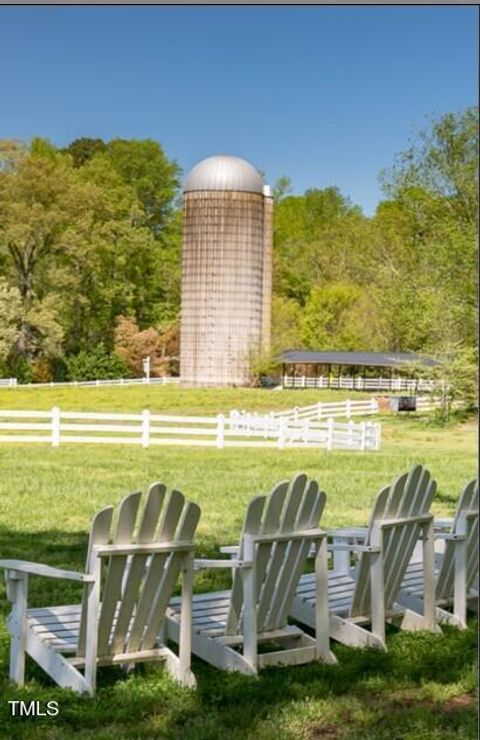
(224, 172)
(368, 359)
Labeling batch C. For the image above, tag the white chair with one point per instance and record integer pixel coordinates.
(130, 575)
(367, 594)
(456, 564)
(229, 626)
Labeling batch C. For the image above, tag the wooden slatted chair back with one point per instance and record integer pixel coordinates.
(409, 498)
(465, 522)
(136, 588)
(291, 507)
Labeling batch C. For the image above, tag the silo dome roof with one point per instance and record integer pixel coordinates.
(224, 172)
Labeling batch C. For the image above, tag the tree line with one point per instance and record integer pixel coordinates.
(90, 256)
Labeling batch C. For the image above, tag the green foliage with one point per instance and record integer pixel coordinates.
(10, 308)
(84, 244)
(93, 232)
(98, 364)
(456, 383)
(154, 179)
(286, 322)
(282, 188)
(339, 316)
(443, 162)
(20, 368)
(83, 149)
(264, 368)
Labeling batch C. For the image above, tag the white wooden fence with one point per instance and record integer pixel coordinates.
(289, 381)
(322, 410)
(359, 383)
(164, 380)
(57, 427)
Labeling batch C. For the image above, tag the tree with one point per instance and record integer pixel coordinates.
(339, 316)
(39, 202)
(456, 381)
(96, 364)
(83, 149)
(282, 188)
(76, 243)
(286, 323)
(134, 345)
(443, 162)
(303, 228)
(426, 234)
(153, 177)
(10, 311)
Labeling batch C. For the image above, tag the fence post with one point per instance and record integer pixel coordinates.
(281, 433)
(378, 432)
(145, 432)
(295, 413)
(363, 437)
(220, 430)
(330, 424)
(55, 426)
(350, 434)
(305, 432)
(319, 409)
(348, 408)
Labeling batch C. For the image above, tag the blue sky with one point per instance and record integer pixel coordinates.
(324, 95)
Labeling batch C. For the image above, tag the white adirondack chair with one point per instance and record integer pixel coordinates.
(278, 532)
(130, 575)
(456, 565)
(367, 593)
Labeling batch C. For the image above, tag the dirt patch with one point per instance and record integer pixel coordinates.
(458, 702)
(324, 732)
(450, 705)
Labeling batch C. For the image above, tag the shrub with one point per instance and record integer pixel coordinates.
(97, 364)
(20, 368)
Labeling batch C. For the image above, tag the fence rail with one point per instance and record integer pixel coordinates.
(359, 383)
(236, 430)
(164, 380)
(289, 381)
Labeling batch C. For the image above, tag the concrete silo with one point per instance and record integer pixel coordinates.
(226, 272)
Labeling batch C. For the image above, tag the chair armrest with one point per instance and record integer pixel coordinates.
(230, 549)
(449, 536)
(348, 532)
(39, 569)
(442, 523)
(353, 548)
(199, 564)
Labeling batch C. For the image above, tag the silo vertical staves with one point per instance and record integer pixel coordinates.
(226, 272)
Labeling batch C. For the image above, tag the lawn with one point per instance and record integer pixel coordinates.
(423, 688)
(165, 399)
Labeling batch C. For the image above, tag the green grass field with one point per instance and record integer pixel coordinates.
(423, 688)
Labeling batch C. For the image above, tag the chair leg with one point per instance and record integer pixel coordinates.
(428, 553)
(185, 641)
(460, 582)
(377, 592)
(322, 614)
(17, 625)
(250, 653)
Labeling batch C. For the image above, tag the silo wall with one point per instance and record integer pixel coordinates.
(223, 317)
(267, 270)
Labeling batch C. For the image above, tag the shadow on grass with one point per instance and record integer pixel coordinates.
(147, 704)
